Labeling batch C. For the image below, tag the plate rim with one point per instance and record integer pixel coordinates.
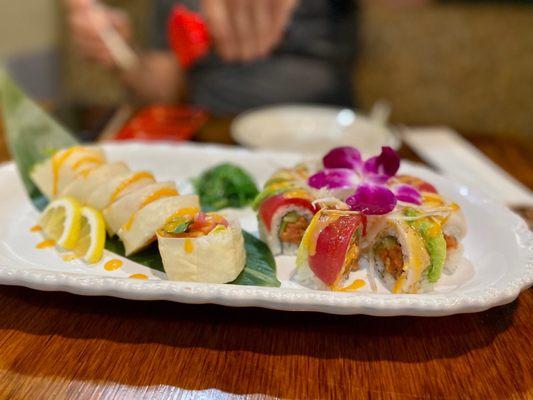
(434, 304)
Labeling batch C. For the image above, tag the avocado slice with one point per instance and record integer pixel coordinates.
(431, 232)
(270, 191)
(287, 219)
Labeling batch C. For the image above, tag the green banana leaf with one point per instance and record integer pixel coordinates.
(260, 269)
(33, 136)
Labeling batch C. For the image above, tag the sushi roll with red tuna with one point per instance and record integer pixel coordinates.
(329, 250)
(284, 209)
(283, 219)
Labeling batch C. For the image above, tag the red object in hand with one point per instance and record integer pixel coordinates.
(163, 123)
(187, 35)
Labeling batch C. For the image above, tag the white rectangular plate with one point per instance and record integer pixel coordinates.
(499, 247)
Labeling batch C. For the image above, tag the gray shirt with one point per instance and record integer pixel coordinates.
(312, 64)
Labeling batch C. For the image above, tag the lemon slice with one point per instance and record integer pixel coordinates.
(60, 221)
(90, 245)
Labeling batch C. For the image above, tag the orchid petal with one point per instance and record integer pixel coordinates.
(334, 178)
(408, 194)
(343, 157)
(372, 200)
(381, 168)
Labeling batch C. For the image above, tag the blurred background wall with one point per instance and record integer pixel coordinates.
(467, 65)
(461, 64)
(29, 44)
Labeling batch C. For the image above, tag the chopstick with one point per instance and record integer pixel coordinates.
(123, 55)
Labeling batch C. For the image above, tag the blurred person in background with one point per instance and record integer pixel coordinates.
(263, 52)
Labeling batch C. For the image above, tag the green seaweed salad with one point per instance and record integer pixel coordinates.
(225, 185)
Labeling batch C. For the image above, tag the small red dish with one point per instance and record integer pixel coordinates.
(161, 122)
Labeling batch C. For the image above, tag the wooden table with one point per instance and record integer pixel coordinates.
(61, 346)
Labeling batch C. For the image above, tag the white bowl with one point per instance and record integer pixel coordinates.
(310, 129)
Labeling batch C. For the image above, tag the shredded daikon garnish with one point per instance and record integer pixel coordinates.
(331, 202)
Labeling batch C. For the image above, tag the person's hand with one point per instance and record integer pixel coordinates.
(85, 19)
(245, 30)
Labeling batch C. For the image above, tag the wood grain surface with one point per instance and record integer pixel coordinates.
(60, 346)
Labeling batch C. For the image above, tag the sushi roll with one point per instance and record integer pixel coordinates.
(400, 256)
(204, 247)
(85, 184)
(454, 227)
(121, 212)
(112, 189)
(154, 216)
(431, 231)
(283, 219)
(54, 174)
(329, 250)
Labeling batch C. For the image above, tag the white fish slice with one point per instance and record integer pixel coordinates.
(121, 211)
(151, 218)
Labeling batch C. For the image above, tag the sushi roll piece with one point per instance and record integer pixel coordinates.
(284, 180)
(201, 248)
(400, 257)
(431, 231)
(154, 216)
(121, 213)
(85, 184)
(283, 219)
(54, 174)
(329, 250)
(112, 189)
(454, 227)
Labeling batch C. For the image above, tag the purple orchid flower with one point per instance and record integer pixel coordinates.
(344, 168)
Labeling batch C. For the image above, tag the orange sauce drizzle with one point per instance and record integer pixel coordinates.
(58, 160)
(399, 283)
(129, 181)
(36, 228)
(113, 265)
(138, 276)
(158, 194)
(87, 160)
(46, 243)
(355, 285)
(297, 194)
(188, 246)
(69, 257)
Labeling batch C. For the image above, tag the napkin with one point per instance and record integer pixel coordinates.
(461, 161)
